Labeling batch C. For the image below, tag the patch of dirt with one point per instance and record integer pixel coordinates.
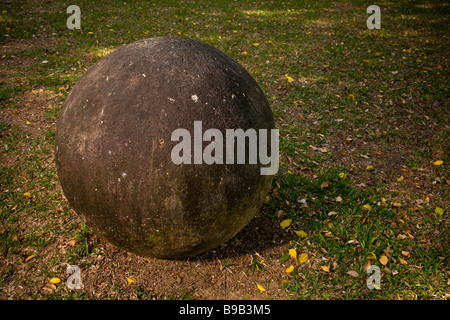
(223, 273)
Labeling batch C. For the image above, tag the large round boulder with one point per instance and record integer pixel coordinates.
(127, 166)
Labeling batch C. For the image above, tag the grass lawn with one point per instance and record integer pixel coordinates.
(364, 128)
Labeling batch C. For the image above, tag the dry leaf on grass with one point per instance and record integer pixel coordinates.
(406, 254)
(325, 268)
(383, 260)
(353, 273)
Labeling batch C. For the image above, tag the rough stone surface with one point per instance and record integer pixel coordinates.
(113, 147)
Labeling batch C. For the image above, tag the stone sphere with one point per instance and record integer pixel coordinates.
(114, 147)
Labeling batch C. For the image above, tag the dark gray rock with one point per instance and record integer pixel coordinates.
(113, 147)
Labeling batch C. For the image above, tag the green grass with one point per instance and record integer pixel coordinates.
(359, 97)
(357, 235)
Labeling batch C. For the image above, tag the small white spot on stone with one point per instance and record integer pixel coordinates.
(124, 174)
(170, 99)
(233, 96)
(109, 152)
(107, 78)
(194, 98)
(144, 75)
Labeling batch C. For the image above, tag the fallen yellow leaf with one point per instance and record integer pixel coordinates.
(383, 260)
(342, 175)
(256, 44)
(404, 262)
(289, 78)
(439, 211)
(406, 254)
(260, 288)
(30, 257)
(293, 253)
(290, 269)
(285, 223)
(55, 280)
(28, 122)
(301, 233)
(369, 167)
(303, 258)
(27, 194)
(438, 162)
(131, 280)
(400, 179)
(367, 206)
